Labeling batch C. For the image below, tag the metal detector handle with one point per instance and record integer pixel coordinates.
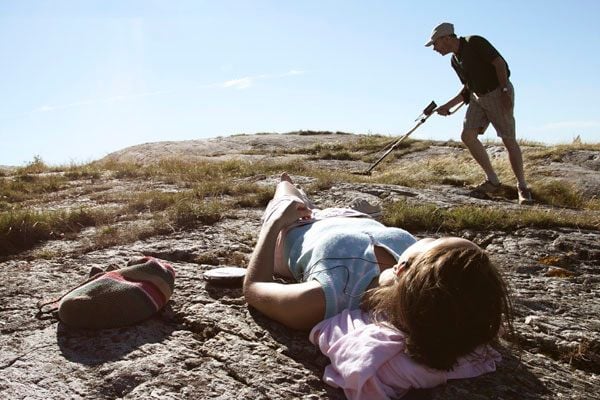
(427, 112)
(450, 112)
(429, 109)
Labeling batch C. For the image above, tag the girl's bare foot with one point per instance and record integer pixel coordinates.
(286, 178)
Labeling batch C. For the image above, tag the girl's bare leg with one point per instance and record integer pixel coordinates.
(286, 187)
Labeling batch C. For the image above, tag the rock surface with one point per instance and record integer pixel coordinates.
(207, 344)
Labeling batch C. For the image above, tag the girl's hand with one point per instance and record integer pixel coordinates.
(283, 212)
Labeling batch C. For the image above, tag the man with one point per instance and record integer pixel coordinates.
(490, 95)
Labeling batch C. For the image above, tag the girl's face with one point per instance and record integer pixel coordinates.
(388, 276)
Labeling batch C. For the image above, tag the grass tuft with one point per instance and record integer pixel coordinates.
(23, 187)
(36, 166)
(87, 171)
(556, 153)
(188, 215)
(558, 193)
(22, 229)
(259, 197)
(415, 217)
(151, 201)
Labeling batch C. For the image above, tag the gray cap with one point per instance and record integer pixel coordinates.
(443, 29)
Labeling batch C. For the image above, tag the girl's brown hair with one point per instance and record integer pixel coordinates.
(448, 301)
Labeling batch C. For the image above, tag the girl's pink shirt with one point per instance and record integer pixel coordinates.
(368, 361)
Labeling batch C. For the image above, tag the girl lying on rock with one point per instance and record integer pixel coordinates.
(391, 313)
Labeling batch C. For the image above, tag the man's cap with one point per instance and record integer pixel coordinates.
(443, 29)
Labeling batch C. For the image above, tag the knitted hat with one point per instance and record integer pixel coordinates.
(119, 297)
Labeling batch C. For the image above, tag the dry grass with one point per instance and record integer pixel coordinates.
(258, 198)
(415, 217)
(559, 193)
(36, 166)
(22, 229)
(432, 171)
(86, 171)
(462, 170)
(556, 153)
(23, 187)
(114, 235)
(187, 215)
(152, 201)
(366, 148)
(206, 192)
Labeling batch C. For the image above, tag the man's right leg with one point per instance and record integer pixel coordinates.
(470, 138)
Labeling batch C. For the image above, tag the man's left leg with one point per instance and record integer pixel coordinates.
(515, 157)
(503, 120)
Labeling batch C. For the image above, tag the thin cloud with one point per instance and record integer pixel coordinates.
(243, 83)
(248, 81)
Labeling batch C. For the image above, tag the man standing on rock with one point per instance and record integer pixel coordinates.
(490, 96)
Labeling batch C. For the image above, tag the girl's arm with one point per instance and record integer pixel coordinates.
(298, 305)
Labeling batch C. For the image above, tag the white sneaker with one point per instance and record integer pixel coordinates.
(525, 198)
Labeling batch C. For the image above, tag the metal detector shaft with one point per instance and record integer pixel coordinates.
(427, 112)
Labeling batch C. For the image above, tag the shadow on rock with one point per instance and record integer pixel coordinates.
(224, 290)
(295, 344)
(512, 380)
(91, 347)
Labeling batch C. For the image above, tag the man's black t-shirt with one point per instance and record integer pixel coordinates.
(473, 64)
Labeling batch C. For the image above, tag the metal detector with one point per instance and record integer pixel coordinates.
(427, 112)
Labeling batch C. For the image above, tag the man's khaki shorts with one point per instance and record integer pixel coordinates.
(487, 109)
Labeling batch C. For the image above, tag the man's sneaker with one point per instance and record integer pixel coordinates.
(524, 196)
(485, 188)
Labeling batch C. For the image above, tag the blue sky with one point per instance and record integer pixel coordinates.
(80, 79)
